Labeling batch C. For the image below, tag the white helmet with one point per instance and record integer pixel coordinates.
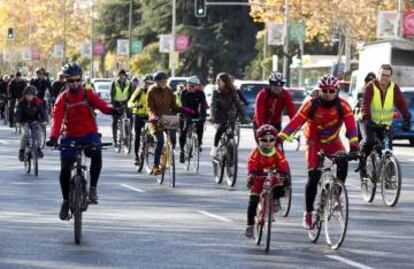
(193, 80)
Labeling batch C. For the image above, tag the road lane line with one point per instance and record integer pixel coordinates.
(349, 262)
(205, 213)
(131, 188)
(4, 142)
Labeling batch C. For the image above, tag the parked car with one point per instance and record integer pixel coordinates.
(95, 80)
(173, 82)
(397, 132)
(298, 96)
(103, 89)
(249, 90)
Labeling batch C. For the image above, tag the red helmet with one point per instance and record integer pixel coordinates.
(328, 81)
(266, 129)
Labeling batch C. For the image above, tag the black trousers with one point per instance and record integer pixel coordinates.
(139, 124)
(184, 123)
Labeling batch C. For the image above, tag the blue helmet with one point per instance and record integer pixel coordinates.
(72, 69)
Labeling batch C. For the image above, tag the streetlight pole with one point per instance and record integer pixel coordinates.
(92, 64)
(286, 43)
(130, 32)
(401, 18)
(174, 22)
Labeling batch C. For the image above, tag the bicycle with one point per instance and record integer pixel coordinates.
(237, 133)
(226, 157)
(4, 105)
(78, 195)
(31, 157)
(266, 209)
(191, 148)
(331, 202)
(124, 132)
(382, 167)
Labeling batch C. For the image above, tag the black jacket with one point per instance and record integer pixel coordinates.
(16, 88)
(41, 86)
(57, 87)
(30, 112)
(226, 106)
(196, 101)
(3, 87)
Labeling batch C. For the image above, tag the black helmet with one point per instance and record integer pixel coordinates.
(160, 75)
(72, 69)
(148, 79)
(122, 72)
(30, 90)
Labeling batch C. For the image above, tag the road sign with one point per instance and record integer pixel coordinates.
(275, 33)
(182, 43)
(136, 46)
(297, 32)
(387, 24)
(165, 43)
(122, 47)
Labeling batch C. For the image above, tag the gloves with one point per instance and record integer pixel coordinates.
(250, 181)
(406, 126)
(354, 148)
(52, 142)
(116, 111)
(286, 179)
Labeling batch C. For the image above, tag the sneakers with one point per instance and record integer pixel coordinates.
(155, 171)
(307, 221)
(21, 155)
(136, 160)
(249, 231)
(182, 157)
(64, 210)
(213, 152)
(93, 196)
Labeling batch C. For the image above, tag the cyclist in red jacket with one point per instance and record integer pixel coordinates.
(266, 155)
(271, 101)
(74, 120)
(324, 115)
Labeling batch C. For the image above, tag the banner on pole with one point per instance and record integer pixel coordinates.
(275, 33)
(86, 49)
(122, 47)
(387, 24)
(165, 43)
(58, 51)
(35, 54)
(182, 43)
(173, 60)
(99, 49)
(409, 23)
(136, 46)
(26, 54)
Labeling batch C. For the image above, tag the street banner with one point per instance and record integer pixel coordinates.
(165, 43)
(275, 61)
(58, 51)
(35, 54)
(122, 47)
(6, 56)
(182, 43)
(136, 46)
(86, 49)
(275, 33)
(387, 24)
(173, 60)
(409, 23)
(99, 49)
(297, 32)
(26, 54)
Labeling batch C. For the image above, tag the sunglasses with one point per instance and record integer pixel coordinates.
(270, 140)
(74, 80)
(330, 91)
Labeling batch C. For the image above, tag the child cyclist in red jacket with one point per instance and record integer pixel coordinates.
(265, 156)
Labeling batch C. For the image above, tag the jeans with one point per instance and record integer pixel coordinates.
(159, 144)
(370, 133)
(36, 129)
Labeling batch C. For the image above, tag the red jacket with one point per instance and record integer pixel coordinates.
(325, 125)
(257, 162)
(399, 101)
(268, 108)
(80, 119)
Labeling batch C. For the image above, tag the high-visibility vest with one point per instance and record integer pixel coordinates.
(88, 86)
(382, 114)
(121, 95)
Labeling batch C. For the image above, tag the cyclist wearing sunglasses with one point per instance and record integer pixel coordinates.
(194, 106)
(324, 114)
(264, 156)
(270, 103)
(41, 83)
(74, 119)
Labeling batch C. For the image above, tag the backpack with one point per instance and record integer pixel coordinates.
(67, 105)
(315, 104)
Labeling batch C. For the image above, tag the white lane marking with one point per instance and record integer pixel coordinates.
(349, 262)
(131, 188)
(4, 142)
(205, 213)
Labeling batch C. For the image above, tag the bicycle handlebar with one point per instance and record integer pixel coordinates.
(340, 156)
(83, 147)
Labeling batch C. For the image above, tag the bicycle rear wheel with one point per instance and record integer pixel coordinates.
(391, 181)
(317, 213)
(231, 163)
(27, 162)
(286, 202)
(77, 208)
(269, 210)
(368, 184)
(142, 154)
(336, 214)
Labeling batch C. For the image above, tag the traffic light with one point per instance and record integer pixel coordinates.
(200, 8)
(10, 33)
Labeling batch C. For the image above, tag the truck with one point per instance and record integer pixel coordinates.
(399, 53)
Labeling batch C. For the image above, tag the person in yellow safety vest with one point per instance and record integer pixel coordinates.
(88, 85)
(121, 92)
(377, 110)
(138, 104)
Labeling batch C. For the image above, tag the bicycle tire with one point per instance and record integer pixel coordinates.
(269, 209)
(329, 207)
(35, 161)
(142, 154)
(127, 139)
(231, 163)
(288, 201)
(237, 134)
(172, 167)
(385, 180)
(218, 168)
(77, 209)
(196, 154)
(259, 223)
(315, 232)
(27, 162)
(119, 139)
(188, 151)
(368, 184)
(43, 127)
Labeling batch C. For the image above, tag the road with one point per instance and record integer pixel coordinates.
(140, 224)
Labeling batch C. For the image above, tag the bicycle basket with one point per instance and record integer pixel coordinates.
(169, 122)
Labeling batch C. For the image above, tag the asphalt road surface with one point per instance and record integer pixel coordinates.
(140, 224)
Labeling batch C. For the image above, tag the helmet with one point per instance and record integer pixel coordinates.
(148, 79)
(266, 129)
(72, 69)
(160, 75)
(30, 90)
(88, 78)
(193, 80)
(276, 79)
(40, 69)
(327, 81)
(6, 77)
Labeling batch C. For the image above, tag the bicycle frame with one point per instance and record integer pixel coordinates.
(272, 180)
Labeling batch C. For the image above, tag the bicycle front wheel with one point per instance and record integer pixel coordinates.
(142, 154)
(231, 163)
(196, 154)
(259, 222)
(172, 167)
(77, 208)
(336, 214)
(368, 184)
(286, 202)
(27, 162)
(269, 219)
(119, 137)
(127, 141)
(35, 162)
(391, 181)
